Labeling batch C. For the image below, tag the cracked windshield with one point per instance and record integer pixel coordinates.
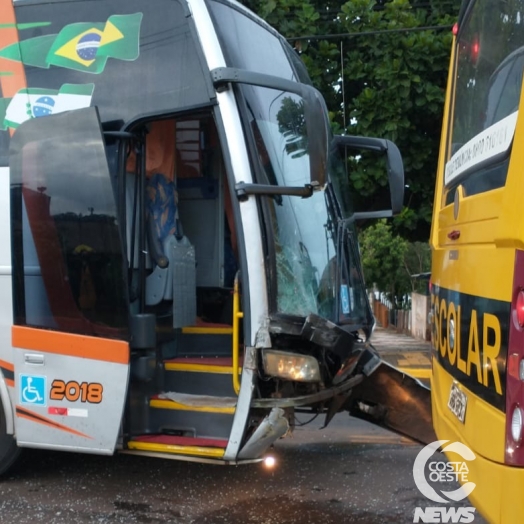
(304, 247)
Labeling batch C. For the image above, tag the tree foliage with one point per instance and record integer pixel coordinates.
(387, 84)
(390, 261)
(382, 260)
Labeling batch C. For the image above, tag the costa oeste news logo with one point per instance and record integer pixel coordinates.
(427, 470)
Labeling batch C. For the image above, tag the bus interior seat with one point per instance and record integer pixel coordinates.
(174, 275)
(171, 255)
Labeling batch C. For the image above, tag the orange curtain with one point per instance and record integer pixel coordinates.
(160, 150)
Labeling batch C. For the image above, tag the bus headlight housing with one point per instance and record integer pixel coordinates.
(290, 366)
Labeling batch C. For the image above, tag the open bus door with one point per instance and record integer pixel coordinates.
(70, 336)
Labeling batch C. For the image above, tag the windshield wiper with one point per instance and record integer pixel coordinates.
(243, 190)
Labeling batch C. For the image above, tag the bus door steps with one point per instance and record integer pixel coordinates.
(196, 415)
(186, 402)
(199, 447)
(204, 341)
(200, 375)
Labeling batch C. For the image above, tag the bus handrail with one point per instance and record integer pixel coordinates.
(237, 315)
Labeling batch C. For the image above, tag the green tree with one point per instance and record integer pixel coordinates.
(385, 84)
(383, 255)
(399, 94)
(389, 261)
(417, 261)
(292, 125)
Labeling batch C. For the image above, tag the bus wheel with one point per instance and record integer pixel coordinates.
(9, 451)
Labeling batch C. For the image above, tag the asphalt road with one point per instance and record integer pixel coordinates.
(351, 472)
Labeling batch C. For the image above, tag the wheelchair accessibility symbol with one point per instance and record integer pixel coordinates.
(32, 390)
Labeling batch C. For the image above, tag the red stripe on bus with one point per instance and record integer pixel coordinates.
(39, 419)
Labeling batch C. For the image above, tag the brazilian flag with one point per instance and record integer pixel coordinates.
(83, 46)
(36, 102)
(86, 47)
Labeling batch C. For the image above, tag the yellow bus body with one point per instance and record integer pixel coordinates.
(479, 263)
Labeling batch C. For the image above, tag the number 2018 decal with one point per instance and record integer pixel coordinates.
(73, 391)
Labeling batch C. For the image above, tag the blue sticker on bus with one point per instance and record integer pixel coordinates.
(344, 299)
(32, 390)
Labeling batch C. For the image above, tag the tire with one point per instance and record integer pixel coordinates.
(9, 451)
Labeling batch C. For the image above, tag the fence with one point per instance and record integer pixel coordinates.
(420, 327)
(412, 321)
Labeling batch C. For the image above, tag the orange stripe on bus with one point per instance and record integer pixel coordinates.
(7, 365)
(10, 382)
(39, 419)
(70, 345)
(15, 79)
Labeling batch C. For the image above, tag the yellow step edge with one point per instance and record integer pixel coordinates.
(171, 404)
(179, 450)
(206, 331)
(199, 368)
(417, 372)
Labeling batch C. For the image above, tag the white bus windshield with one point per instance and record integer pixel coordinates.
(314, 268)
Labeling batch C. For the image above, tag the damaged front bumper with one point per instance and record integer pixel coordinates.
(367, 387)
(308, 400)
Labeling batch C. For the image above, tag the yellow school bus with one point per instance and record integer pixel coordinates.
(477, 239)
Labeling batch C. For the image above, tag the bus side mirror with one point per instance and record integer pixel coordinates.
(395, 169)
(318, 133)
(309, 115)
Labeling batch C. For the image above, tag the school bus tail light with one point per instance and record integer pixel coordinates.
(514, 453)
(519, 309)
(516, 425)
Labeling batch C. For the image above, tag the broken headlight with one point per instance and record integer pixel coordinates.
(290, 366)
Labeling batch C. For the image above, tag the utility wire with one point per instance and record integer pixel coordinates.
(343, 86)
(338, 16)
(369, 33)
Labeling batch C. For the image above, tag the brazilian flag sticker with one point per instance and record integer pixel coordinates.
(83, 46)
(36, 102)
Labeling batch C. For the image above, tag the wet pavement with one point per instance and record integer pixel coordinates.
(350, 472)
(404, 352)
(388, 340)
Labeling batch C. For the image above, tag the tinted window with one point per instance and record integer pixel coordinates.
(68, 262)
(486, 44)
(490, 61)
(127, 58)
(249, 45)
